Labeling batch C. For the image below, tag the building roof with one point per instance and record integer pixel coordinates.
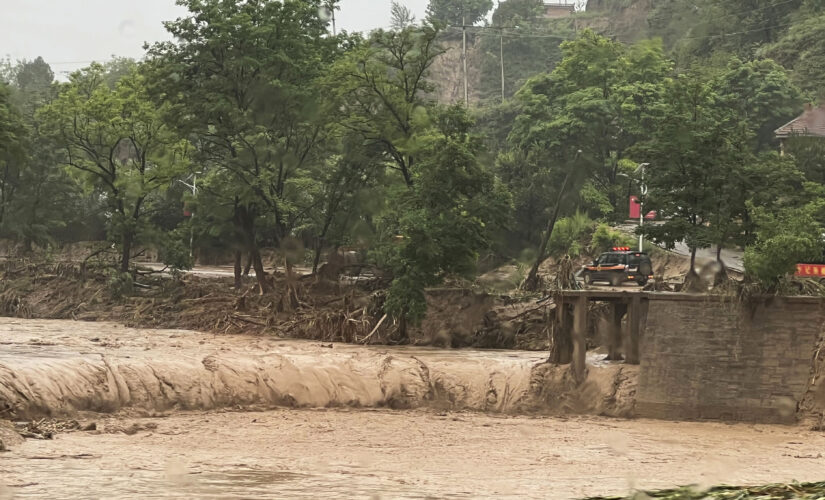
(811, 123)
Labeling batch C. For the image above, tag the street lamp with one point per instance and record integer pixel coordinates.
(640, 171)
(194, 188)
(643, 190)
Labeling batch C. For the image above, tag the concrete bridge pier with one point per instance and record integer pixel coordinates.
(620, 305)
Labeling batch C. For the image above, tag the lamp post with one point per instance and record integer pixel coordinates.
(640, 171)
(643, 190)
(194, 188)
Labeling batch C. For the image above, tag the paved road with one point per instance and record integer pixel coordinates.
(731, 257)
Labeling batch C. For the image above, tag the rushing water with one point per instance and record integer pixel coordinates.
(170, 427)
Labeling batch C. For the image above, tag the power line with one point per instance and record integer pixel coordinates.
(749, 11)
(722, 35)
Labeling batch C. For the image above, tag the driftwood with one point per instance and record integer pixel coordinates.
(377, 326)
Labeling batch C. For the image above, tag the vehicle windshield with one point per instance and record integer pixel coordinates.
(612, 259)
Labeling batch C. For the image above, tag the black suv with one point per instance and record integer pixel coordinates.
(619, 266)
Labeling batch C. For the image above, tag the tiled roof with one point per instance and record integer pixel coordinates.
(811, 123)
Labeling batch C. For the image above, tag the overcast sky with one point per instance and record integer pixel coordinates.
(71, 33)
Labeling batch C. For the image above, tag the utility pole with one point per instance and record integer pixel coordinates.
(501, 59)
(464, 44)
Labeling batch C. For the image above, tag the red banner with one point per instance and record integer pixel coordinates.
(810, 270)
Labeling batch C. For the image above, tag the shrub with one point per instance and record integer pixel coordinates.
(570, 235)
(605, 238)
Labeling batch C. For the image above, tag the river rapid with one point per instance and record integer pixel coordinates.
(189, 415)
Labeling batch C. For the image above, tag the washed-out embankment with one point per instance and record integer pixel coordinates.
(62, 368)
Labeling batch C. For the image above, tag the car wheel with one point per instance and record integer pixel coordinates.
(588, 280)
(616, 280)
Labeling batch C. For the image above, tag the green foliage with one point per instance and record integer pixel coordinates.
(380, 89)
(458, 12)
(581, 120)
(173, 250)
(117, 143)
(120, 284)
(802, 51)
(704, 154)
(402, 17)
(13, 157)
(240, 80)
(808, 154)
(438, 227)
(570, 236)
(784, 238)
(605, 237)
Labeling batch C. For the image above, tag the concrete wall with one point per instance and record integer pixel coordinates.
(703, 357)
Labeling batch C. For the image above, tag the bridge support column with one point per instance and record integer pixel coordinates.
(580, 338)
(615, 313)
(634, 321)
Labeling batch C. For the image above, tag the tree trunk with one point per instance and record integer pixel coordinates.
(248, 227)
(238, 278)
(126, 251)
(532, 280)
(260, 274)
(248, 264)
(722, 273)
(317, 259)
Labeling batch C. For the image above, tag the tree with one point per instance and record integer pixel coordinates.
(784, 238)
(439, 225)
(382, 88)
(458, 12)
(685, 157)
(401, 16)
(576, 125)
(338, 193)
(13, 157)
(46, 190)
(241, 80)
(705, 156)
(802, 51)
(115, 140)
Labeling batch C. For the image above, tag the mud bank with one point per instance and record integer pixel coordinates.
(60, 368)
(319, 310)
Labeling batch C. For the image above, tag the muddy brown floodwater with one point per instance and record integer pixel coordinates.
(472, 443)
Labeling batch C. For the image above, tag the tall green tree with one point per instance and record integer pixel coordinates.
(802, 51)
(46, 190)
(115, 140)
(458, 12)
(13, 157)
(240, 79)
(437, 227)
(576, 126)
(383, 90)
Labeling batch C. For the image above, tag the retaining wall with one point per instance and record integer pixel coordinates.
(712, 358)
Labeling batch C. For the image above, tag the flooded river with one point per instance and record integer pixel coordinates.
(165, 405)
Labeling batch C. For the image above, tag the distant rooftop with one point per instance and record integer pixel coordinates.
(811, 123)
(559, 8)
